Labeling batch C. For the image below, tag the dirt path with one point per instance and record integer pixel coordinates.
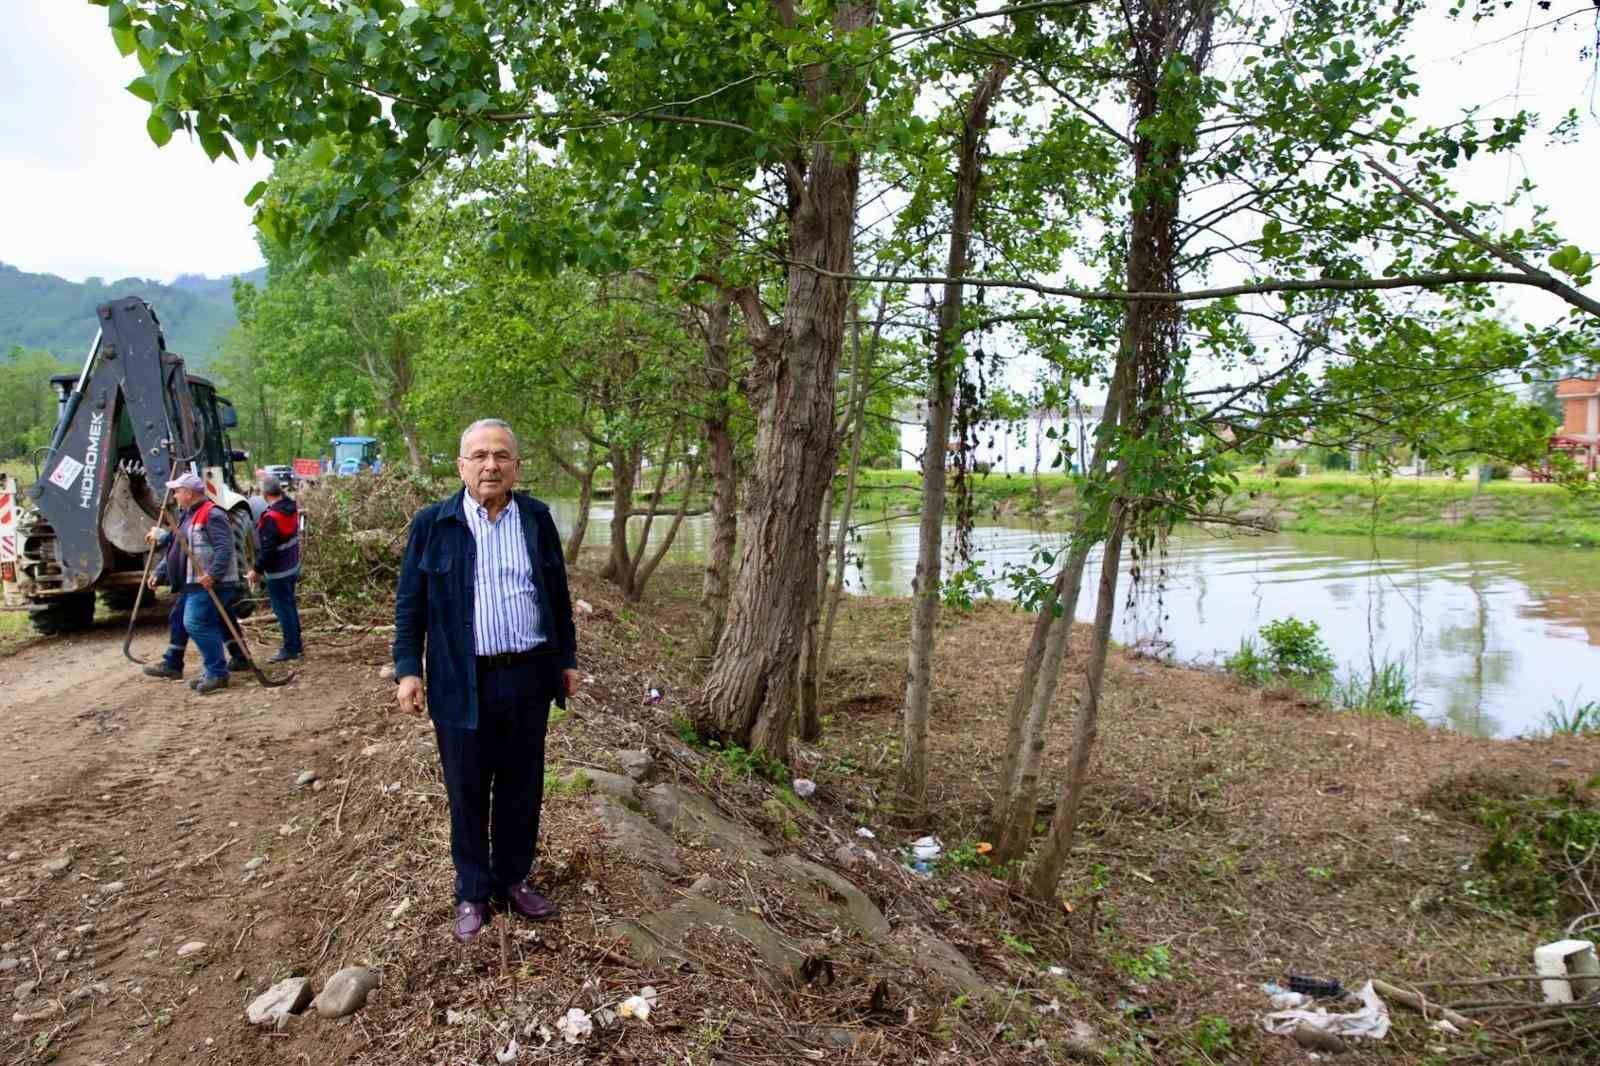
(167, 794)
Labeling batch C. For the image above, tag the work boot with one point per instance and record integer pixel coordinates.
(164, 672)
(210, 684)
(236, 665)
(284, 656)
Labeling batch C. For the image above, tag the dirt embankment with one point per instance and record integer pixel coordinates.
(1231, 837)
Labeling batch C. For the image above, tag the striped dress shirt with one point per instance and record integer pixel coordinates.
(505, 604)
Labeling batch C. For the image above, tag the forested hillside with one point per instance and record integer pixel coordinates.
(46, 313)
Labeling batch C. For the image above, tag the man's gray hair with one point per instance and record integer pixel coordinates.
(488, 423)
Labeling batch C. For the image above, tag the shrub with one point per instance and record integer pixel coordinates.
(1336, 461)
(1544, 853)
(1498, 471)
(1287, 467)
(1296, 649)
(1248, 663)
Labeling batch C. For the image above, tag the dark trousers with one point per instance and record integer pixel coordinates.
(178, 633)
(494, 778)
(280, 593)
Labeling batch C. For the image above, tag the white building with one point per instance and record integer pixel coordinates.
(1020, 447)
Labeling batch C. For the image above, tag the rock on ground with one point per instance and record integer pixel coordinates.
(637, 764)
(693, 818)
(288, 996)
(830, 888)
(632, 835)
(346, 992)
(662, 934)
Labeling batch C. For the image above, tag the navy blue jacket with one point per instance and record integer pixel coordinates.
(278, 539)
(433, 603)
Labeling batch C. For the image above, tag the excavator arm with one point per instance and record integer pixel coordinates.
(128, 373)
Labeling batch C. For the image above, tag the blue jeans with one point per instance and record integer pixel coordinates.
(178, 634)
(205, 628)
(280, 593)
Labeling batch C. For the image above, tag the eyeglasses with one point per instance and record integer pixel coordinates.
(482, 458)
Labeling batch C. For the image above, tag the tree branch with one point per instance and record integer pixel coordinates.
(1537, 280)
(1548, 282)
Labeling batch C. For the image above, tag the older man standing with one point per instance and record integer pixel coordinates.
(483, 602)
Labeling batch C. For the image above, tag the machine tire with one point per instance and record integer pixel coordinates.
(64, 614)
(122, 597)
(244, 550)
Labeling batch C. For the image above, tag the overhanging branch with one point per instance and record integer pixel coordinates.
(1536, 280)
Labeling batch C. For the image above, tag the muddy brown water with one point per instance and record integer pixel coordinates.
(1495, 636)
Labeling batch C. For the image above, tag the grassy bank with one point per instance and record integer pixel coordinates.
(1427, 509)
(14, 630)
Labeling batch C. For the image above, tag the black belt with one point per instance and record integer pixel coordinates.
(513, 658)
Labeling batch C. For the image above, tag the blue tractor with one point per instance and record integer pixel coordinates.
(352, 455)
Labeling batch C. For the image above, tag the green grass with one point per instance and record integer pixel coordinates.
(1388, 689)
(1427, 509)
(14, 629)
(1573, 719)
(1338, 503)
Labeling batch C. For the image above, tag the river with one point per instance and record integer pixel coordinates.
(1493, 634)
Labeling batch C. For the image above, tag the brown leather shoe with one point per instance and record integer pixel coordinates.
(470, 920)
(530, 904)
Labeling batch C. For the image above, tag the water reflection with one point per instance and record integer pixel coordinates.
(1493, 633)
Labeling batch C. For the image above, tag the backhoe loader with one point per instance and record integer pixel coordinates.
(129, 421)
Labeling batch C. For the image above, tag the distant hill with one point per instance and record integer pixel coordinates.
(42, 311)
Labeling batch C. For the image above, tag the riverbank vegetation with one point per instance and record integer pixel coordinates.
(1292, 653)
(1433, 508)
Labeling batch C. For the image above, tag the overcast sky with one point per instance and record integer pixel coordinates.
(83, 191)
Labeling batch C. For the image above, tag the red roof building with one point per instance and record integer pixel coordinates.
(1580, 419)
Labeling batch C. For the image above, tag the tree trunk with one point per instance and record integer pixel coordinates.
(947, 353)
(750, 690)
(724, 484)
(413, 444)
(810, 715)
(580, 523)
(1053, 855)
(1017, 797)
(860, 369)
(646, 567)
(624, 470)
(1015, 829)
(584, 476)
(1163, 30)
(632, 587)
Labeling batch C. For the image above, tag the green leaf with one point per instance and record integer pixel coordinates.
(117, 16)
(441, 132)
(142, 88)
(321, 154)
(257, 191)
(215, 144)
(158, 131)
(125, 40)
